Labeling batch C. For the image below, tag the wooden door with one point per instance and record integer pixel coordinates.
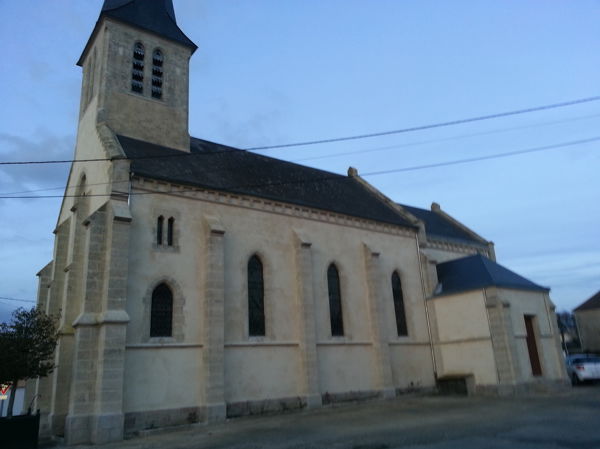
(534, 358)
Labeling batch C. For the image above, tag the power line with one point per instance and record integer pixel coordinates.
(17, 300)
(335, 139)
(432, 126)
(362, 151)
(340, 177)
(483, 158)
(63, 187)
(447, 139)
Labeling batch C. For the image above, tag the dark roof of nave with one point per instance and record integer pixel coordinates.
(478, 272)
(436, 225)
(591, 304)
(218, 167)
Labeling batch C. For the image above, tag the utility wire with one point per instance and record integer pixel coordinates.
(335, 139)
(362, 151)
(63, 187)
(432, 126)
(338, 177)
(16, 300)
(446, 139)
(483, 158)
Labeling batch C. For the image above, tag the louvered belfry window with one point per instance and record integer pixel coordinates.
(170, 231)
(256, 298)
(160, 222)
(399, 305)
(161, 315)
(335, 301)
(137, 72)
(157, 74)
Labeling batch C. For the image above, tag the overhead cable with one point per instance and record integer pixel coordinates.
(333, 176)
(334, 139)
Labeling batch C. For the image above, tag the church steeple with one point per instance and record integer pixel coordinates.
(136, 73)
(156, 16)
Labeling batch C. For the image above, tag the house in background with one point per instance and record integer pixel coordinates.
(587, 316)
(196, 281)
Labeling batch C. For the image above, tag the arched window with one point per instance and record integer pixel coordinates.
(399, 305)
(256, 298)
(335, 301)
(159, 230)
(157, 74)
(161, 314)
(137, 72)
(170, 231)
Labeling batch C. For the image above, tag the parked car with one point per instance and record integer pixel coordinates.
(583, 367)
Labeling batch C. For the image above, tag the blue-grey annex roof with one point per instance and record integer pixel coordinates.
(436, 225)
(156, 16)
(478, 272)
(218, 167)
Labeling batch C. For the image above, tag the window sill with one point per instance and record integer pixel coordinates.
(260, 342)
(161, 340)
(342, 341)
(165, 248)
(164, 345)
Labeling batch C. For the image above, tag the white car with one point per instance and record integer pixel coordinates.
(583, 367)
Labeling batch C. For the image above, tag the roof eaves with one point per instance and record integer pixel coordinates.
(458, 241)
(458, 291)
(104, 16)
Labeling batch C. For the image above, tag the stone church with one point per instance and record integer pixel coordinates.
(195, 281)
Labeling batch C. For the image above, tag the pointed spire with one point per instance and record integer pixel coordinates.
(156, 16)
(166, 4)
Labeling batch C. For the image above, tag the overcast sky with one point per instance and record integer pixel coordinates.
(273, 71)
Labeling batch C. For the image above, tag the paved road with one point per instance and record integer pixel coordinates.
(569, 419)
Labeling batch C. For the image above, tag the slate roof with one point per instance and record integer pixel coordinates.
(156, 16)
(437, 225)
(590, 304)
(218, 167)
(478, 272)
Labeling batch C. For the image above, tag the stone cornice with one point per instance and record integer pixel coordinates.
(444, 245)
(264, 205)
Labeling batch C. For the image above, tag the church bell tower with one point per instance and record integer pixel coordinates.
(136, 73)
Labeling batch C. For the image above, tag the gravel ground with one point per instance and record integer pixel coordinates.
(569, 419)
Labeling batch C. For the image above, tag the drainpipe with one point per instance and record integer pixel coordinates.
(425, 295)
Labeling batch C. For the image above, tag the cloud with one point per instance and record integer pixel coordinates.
(19, 178)
(6, 311)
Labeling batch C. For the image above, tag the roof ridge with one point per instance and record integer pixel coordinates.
(485, 262)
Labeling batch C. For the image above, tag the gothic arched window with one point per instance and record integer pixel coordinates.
(161, 312)
(335, 301)
(399, 305)
(256, 298)
(137, 72)
(157, 74)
